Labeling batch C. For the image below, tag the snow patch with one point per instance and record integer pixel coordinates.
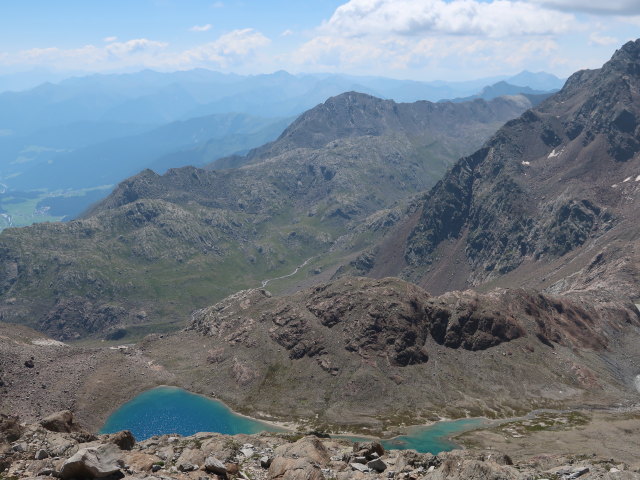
(638, 178)
(554, 154)
(636, 382)
(526, 163)
(615, 185)
(48, 342)
(627, 179)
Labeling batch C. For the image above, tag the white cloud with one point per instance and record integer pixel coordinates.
(228, 49)
(135, 46)
(286, 33)
(201, 28)
(217, 5)
(597, 39)
(109, 39)
(498, 19)
(235, 48)
(435, 36)
(436, 54)
(608, 7)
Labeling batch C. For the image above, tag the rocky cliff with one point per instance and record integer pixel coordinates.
(553, 192)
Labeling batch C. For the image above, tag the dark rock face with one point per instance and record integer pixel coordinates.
(72, 317)
(542, 186)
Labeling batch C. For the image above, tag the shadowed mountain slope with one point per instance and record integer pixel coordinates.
(553, 193)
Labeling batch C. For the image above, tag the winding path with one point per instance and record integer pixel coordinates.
(266, 282)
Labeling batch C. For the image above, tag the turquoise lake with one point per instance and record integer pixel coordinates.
(166, 410)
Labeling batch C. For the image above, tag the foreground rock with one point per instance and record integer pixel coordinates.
(94, 462)
(59, 422)
(271, 456)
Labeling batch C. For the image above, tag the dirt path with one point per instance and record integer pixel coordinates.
(266, 282)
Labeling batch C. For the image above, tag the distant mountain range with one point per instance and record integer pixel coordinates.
(71, 141)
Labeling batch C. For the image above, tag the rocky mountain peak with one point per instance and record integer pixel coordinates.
(546, 184)
(625, 60)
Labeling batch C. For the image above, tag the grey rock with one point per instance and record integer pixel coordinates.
(265, 461)
(362, 460)
(187, 467)
(19, 447)
(93, 462)
(359, 467)
(41, 454)
(213, 465)
(156, 467)
(377, 464)
(247, 452)
(46, 472)
(577, 473)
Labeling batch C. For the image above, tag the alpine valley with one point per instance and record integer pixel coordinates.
(378, 265)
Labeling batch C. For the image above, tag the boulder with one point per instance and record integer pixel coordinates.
(310, 448)
(93, 462)
(300, 460)
(187, 467)
(61, 422)
(359, 467)
(283, 468)
(41, 454)
(124, 440)
(377, 464)
(265, 461)
(213, 465)
(189, 456)
(368, 450)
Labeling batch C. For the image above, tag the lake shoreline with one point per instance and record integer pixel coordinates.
(433, 437)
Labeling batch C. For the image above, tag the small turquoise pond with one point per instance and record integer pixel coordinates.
(166, 410)
(426, 439)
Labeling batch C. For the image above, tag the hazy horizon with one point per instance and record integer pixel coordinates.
(424, 40)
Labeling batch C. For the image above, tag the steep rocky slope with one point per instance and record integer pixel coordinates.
(550, 201)
(160, 246)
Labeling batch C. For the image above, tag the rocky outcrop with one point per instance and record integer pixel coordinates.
(61, 422)
(287, 457)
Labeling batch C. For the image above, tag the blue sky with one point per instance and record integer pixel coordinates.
(418, 39)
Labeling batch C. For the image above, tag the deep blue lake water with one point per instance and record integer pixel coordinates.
(166, 410)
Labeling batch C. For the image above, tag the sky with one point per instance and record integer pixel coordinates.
(409, 39)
